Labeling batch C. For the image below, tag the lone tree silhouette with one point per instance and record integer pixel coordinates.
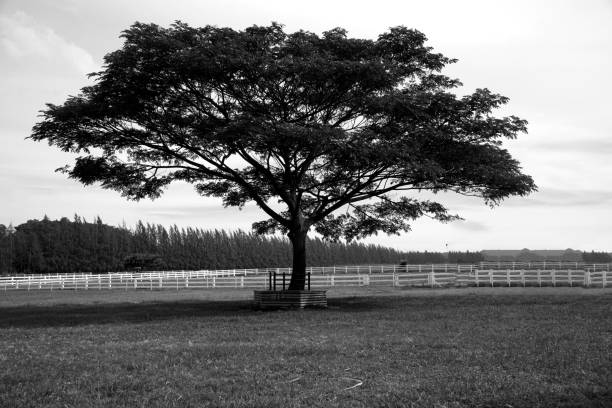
(326, 132)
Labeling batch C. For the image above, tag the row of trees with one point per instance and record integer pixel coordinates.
(596, 257)
(65, 246)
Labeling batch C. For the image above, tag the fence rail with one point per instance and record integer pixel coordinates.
(333, 270)
(323, 270)
(414, 276)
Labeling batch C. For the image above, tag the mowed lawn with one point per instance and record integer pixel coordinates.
(481, 347)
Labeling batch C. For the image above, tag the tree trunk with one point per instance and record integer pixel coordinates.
(298, 242)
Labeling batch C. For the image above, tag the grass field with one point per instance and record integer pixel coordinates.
(480, 347)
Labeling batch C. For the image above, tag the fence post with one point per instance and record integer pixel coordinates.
(554, 278)
(587, 278)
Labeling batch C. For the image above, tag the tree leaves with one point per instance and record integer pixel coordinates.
(390, 216)
(327, 125)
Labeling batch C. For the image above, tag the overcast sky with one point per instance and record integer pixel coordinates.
(553, 59)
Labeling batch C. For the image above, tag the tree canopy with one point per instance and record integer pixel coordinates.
(326, 132)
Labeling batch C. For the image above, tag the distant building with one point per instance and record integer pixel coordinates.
(532, 255)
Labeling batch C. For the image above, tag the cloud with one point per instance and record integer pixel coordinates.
(471, 226)
(552, 197)
(590, 146)
(23, 40)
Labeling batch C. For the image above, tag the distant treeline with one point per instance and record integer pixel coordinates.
(527, 255)
(65, 246)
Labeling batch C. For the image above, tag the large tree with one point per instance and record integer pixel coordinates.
(335, 134)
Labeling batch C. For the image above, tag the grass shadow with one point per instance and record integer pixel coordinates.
(360, 303)
(121, 311)
(67, 315)
(113, 313)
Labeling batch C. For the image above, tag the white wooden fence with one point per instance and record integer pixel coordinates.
(369, 275)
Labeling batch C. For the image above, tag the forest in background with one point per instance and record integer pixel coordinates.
(69, 246)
